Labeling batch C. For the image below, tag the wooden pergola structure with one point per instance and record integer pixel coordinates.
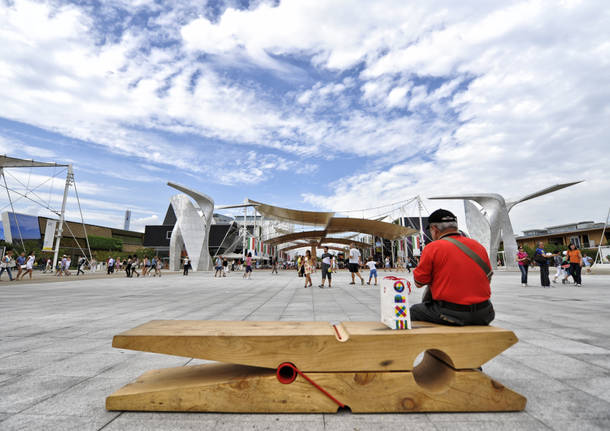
(330, 224)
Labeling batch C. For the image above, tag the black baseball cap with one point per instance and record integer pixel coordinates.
(440, 216)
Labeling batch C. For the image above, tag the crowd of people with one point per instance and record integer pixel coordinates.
(24, 265)
(306, 265)
(131, 264)
(568, 263)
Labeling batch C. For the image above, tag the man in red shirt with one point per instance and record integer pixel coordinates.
(458, 286)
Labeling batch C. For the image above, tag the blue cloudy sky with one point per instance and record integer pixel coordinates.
(310, 104)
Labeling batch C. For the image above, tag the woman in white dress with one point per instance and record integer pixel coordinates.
(29, 265)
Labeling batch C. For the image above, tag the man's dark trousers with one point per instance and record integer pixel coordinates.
(544, 275)
(438, 312)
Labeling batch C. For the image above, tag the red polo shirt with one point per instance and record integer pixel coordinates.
(451, 275)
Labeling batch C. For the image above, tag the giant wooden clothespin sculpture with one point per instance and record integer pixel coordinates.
(317, 367)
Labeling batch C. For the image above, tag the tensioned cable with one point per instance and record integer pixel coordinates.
(375, 208)
(29, 178)
(223, 240)
(27, 187)
(51, 189)
(37, 187)
(13, 209)
(75, 240)
(29, 198)
(385, 214)
(81, 218)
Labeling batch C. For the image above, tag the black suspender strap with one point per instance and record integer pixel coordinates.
(471, 254)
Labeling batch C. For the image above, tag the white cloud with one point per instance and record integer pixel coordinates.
(17, 148)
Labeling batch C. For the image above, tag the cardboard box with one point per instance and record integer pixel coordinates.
(395, 302)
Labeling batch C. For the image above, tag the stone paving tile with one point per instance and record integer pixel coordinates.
(363, 421)
(123, 423)
(580, 425)
(6, 377)
(381, 424)
(599, 360)
(550, 399)
(560, 366)
(84, 399)
(82, 364)
(561, 345)
(26, 422)
(21, 344)
(598, 386)
(479, 417)
(313, 423)
(484, 425)
(71, 345)
(23, 392)
(26, 362)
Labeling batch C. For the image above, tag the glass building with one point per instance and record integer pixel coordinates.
(16, 226)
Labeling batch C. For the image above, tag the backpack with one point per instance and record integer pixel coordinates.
(540, 259)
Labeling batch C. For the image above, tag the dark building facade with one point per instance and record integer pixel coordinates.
(224, 235)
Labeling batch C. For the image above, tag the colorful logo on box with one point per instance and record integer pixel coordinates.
(399, 286)
(399, 299)
(401, 324)
(401, 310)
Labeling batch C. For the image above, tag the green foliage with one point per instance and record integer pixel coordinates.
(30, 245)
(102, 243)
(102, 256)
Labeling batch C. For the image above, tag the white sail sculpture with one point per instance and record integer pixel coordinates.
(192, 228)
(492, 223)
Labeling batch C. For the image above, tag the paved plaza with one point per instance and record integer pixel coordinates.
(57, 364)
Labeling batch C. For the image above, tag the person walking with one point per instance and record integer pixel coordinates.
(308, 264)
(5, 265)
(48, 267)
(186, 265)
(110, 266)
(67, 266)
(29, 265)
(300, 266)
(523, 262)
(274, 265)
(153, 266)
(158, 266)
(388, 266)
(218, 267)
(128, 266)
(248, 272)
(354, 263)
(575, 259)
(326, 268)
(20, 265)
(558, 261)
(145, 266)
(565, 268)
(372, 270)
(541, 258)
(135, 263)
(225, 266)
(59, 270)
(79, 265)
